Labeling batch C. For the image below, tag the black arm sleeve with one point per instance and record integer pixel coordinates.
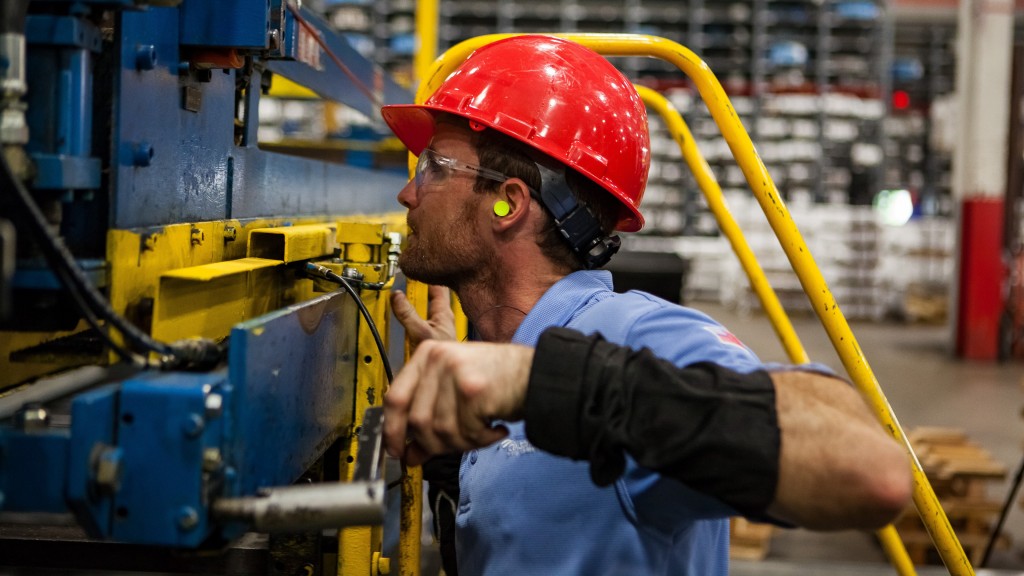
(709, 427)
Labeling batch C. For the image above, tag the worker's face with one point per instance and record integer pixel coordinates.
(445, 244)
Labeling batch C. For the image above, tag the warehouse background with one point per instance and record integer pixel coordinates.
(849, 103)
(852, 107)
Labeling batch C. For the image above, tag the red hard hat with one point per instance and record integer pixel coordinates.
(556, 96)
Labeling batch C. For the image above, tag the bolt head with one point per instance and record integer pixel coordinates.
(211, 459)
(214, 405)
(188, 518)
(193, 425)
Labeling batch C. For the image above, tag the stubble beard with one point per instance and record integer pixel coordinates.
(444, 255)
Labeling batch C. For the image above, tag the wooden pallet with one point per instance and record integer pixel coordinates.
(960, 471)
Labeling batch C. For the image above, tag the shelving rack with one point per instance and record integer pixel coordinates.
(924, 59)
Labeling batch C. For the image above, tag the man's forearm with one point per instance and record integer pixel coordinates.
(709, 427)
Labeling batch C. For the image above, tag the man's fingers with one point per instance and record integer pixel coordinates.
(439, 304)
(417, 328)
(421, 412)
(415, 454)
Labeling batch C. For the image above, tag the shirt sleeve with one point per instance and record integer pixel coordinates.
(711, 428)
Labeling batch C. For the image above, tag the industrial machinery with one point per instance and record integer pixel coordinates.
(190, 325)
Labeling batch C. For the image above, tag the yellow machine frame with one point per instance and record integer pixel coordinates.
(811, 279)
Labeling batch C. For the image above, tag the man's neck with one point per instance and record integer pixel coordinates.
(497, 309)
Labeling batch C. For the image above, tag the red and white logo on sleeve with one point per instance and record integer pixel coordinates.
(724, 336)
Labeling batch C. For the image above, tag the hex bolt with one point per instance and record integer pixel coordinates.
(193, 425)
(214, 406)
(145, 57)
(142, 154)
(211, 459)
(188, 518)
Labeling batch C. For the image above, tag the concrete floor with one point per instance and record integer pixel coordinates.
(925, 386)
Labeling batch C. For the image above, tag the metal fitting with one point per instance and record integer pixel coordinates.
(33, 417)
(350, 273)
(193, 425)
(188, 518)
(230, 233)
(212, 460)
(394, 251)
(145, 56)
(214, 406)
(142, 154)
(107, 468)
(197, 237)
(381, 563)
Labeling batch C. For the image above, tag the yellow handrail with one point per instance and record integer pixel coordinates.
(708, 185)
(761, 183)
(705, 178)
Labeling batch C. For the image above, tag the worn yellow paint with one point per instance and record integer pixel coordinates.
(891, 543)
(292, 243)
(359, 548)
(764, 189)
(16, 372)
(411, 514)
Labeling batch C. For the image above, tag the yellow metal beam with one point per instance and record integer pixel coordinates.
(208, 300)
(292, 243)
(411, 515)
(764, 189)
(360, 548)
(427, 12)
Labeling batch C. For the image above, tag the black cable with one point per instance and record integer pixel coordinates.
(60, 258)
(91, 319)
(325, 272)
(1002, 515)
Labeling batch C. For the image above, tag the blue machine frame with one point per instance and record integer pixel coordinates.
(139, 130)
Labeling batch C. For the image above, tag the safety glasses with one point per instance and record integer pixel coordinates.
(433, 168)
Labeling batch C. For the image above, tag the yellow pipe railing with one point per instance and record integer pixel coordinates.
(680, 132)
(726, 223)
(763, 187)
(411, 513)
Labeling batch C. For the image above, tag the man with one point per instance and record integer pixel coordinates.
(530, 155)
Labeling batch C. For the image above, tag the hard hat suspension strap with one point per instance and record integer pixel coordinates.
(577, 225)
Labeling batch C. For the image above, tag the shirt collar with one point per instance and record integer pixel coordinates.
(562, 302)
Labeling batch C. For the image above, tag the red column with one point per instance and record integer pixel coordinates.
(981, 278)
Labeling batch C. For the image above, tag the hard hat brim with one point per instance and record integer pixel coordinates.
(413, 124)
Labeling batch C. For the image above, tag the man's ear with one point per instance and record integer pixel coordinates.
(512, 204)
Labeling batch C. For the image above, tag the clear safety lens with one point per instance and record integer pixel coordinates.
(433, 168)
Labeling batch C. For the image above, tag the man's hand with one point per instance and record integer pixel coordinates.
(447, 395)
(440, 322)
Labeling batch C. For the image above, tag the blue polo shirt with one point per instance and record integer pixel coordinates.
(525, 512)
